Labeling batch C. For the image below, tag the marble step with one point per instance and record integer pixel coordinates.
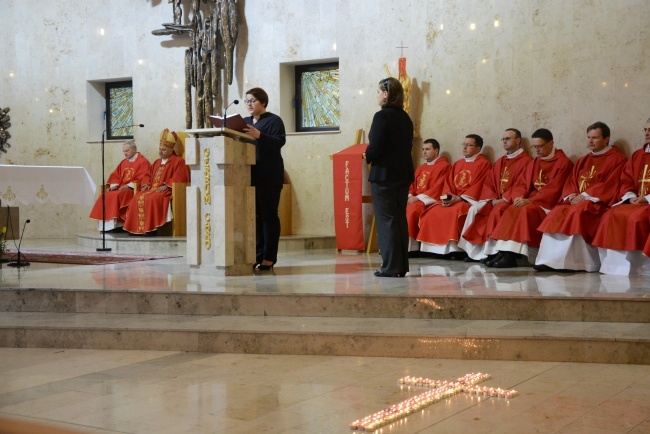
(588, 342)
(244, 303)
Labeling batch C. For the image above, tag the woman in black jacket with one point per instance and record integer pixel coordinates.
(267, 175)
(391, 173)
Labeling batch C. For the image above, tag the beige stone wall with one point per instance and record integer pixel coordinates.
(555, 64)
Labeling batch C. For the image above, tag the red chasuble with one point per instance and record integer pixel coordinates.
(627, 226)
(542, 184)
(438, 224)
(148, 209)
(429, 180)
(117, 201)
(598, 176)
(503, 176)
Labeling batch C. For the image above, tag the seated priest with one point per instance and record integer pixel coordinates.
(571, 226)
(624, 230)
(150, 208)
(484, 215)
(119, 187)
(532, 197)
(441, 223)
(426, 188)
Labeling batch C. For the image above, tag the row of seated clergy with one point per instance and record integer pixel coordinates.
(554, 209)
(150, 208)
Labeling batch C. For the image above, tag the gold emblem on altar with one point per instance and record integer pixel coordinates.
(463, 179)
(505, 179)
(541, 180)
(9, 196)
(207, 237)
(207, 198)
(585, 179)
(644, 182)
(42, 194)
(422, 180)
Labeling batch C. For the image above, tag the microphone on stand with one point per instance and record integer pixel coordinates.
(223, 126)
(18, 263)
(104, 248)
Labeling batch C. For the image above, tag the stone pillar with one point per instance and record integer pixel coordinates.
(220, 205)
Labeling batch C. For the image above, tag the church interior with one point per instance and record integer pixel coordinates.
(318, 343)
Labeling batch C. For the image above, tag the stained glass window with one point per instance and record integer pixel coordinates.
(119, 110)
(317, 97)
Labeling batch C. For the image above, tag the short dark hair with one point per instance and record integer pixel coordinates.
(478, 140)
(516, 131)
(259, 94)
(544, 134)
(395, 98)
(600, 125)
(434, 143)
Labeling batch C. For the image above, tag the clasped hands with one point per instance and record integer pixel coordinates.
(574, 198)
(454, 200)
(160, 189)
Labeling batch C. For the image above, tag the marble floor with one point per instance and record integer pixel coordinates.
(176, 392)
(105, 391)
(321, 272)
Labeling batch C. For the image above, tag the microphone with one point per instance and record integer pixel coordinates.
(18, 263)
(223, 126)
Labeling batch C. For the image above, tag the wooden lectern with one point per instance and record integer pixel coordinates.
(220, 202)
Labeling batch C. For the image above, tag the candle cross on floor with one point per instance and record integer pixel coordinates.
(440, 390)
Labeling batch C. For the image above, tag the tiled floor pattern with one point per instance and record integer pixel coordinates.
(171, 392)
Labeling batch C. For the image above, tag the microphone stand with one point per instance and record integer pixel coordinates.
(18, 263)
(103, 248)
(223, 125)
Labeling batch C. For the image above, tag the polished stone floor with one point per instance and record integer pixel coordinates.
(175, 392)
(321, 272)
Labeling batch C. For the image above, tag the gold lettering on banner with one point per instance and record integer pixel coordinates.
(347, 181)
(207, 237)
(9, 196)
(644, 181)
(42, 194)
(540, 181)
(585, 179)
(207, 197)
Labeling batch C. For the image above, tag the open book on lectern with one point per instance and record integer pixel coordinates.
(233, 122)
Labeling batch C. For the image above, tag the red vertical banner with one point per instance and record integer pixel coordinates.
(348, 197)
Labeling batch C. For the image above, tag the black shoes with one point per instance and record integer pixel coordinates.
(507, 260)
(382, 274)
(260, 267)
(492, 259)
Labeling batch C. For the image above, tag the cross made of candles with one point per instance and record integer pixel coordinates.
(439, 390)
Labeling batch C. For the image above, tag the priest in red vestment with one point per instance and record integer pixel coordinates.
(440, 223)
(119, 187)
(624, 230)
(426, 188)
(484, 214)
(150, 207)
(532, 197)
(570, 227)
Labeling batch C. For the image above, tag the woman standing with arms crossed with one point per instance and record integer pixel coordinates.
(391, 173)
(267, 175)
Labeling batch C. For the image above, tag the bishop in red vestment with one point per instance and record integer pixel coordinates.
(440, 223)
(529, 201)
(149, 208)
(426, 188)
(624, 230)
(570, 227)
(119, 187)
(484, 215)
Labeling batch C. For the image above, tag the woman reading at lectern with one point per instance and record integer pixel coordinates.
(391, 173)
(267, 175)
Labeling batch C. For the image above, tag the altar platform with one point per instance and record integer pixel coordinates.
(320, 302)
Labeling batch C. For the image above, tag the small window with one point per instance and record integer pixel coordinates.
(119, 110)
(317, 97)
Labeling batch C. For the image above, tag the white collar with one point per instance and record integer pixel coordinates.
(549, 156)
(607, 148)
(431, 163)
(471, 159)
(132, 159)
(647, 148)
(515, 154)
(164, 161)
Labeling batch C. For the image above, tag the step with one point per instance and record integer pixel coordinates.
(585, 342)
(244, 303)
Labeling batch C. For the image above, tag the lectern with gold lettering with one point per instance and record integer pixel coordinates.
(220, 202)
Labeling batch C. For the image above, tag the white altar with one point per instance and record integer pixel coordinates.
(46, 184)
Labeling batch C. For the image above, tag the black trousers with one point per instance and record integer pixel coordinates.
(267, 221)
(389, 201)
